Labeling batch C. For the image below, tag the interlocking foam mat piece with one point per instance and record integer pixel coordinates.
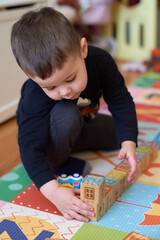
(26, 214)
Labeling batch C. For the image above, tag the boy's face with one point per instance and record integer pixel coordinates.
(68, 82)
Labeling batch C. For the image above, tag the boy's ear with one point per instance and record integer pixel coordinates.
(84, 47)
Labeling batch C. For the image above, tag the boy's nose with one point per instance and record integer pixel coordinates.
(65, 91)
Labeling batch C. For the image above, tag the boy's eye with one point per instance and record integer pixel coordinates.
(71, 80)
(51, 89)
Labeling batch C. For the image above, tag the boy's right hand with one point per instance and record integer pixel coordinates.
(67, 201)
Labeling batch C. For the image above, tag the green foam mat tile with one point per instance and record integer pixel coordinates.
(147, 79)
(89, 231)
(145, 82)
(12, 183)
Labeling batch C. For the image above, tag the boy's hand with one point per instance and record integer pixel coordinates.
(67, 201)
(128, 151)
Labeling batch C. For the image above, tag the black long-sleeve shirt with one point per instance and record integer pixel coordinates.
(34, 112)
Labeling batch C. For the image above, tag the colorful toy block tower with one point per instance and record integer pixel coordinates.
(93, 193)
(101, 192)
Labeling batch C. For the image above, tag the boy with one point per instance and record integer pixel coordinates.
(62, 68)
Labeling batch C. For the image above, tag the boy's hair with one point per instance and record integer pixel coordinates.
(42, 41)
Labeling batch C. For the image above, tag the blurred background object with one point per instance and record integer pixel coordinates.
(127, 29)
(135, 29)
(129, 3)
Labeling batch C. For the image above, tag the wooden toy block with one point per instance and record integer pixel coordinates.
(141, 159)
(136, 236)
(122, 176)
(93, 189)
(99, 210)
(124, 167)
(115, 184)
(154, 146)
(144, 163)
(109, 197)
(147, 150)
(149, 155)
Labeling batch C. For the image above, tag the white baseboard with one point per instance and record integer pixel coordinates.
(8, 111)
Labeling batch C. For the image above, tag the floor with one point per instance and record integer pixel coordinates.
(24, 209)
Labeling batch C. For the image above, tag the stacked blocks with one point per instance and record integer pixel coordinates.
(109, 197)
(140, 157)
(121, 176)
(102, 192)
(93, 193)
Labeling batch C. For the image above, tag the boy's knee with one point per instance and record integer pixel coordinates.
(66, 115)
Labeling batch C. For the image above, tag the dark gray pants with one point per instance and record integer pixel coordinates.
(70, 132)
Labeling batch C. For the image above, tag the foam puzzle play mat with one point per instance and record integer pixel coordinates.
(123, 210)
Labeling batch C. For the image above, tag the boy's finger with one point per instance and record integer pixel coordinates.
(132, 175)
(78, 217)
(121, 155)
(83, 211)
(67, 216)
(77, 202)
(132, 172)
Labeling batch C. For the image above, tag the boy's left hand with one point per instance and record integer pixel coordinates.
(128, 151)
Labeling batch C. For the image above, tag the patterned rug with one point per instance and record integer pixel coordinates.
(26, 214)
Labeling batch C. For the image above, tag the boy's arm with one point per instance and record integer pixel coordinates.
(120, 102)
(122, 107)
(67, 201)
(33, 117)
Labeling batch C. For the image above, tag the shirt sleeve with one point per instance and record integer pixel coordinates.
(120, 102)
(33, 133)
